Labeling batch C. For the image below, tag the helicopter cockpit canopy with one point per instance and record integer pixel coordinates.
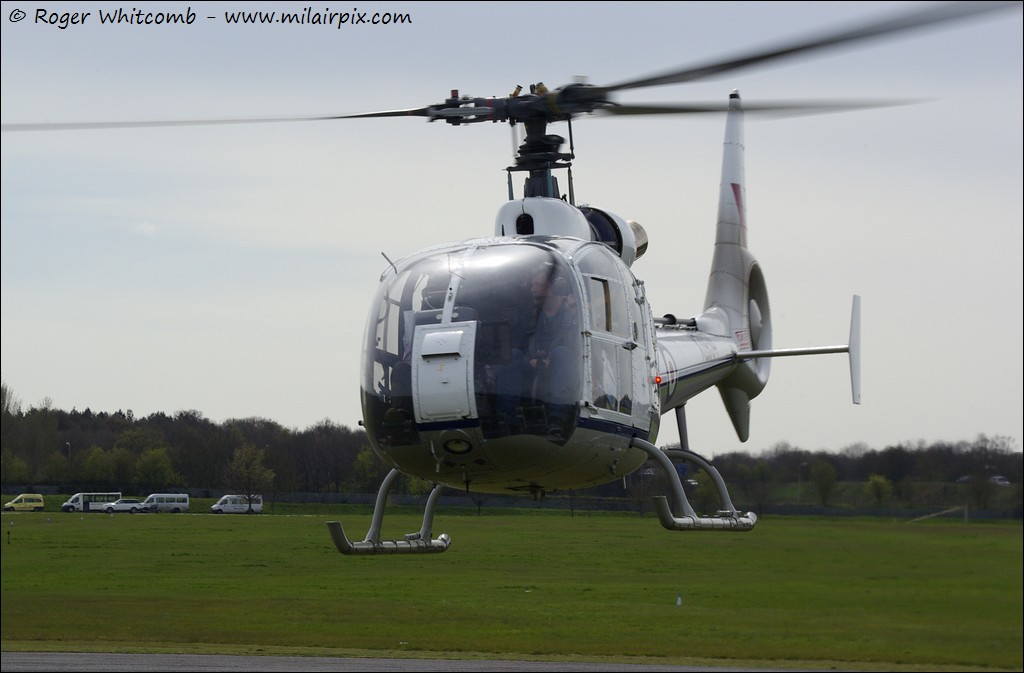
(523, 340)
(486, 315)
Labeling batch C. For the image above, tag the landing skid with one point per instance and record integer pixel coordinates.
(727, 518)
(413, 543)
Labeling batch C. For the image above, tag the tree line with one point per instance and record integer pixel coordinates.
(86, 450)
(908, 475)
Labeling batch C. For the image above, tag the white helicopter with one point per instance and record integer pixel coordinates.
(530, 361)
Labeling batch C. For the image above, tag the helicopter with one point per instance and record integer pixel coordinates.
(530, 361)
(454, 389)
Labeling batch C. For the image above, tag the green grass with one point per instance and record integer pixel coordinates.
(846, 593)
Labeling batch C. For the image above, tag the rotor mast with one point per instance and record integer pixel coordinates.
(540, 152)
(539, 155)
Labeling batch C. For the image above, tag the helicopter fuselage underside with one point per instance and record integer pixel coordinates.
(512, 464)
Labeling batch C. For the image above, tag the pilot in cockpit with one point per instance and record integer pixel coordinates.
(549, 339)
(543, 368)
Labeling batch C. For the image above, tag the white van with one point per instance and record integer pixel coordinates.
(166, 502)
(89, 502)
(237, 504)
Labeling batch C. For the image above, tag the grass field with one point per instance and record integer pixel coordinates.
(795, 592)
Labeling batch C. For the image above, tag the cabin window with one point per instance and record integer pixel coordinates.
(606, 293)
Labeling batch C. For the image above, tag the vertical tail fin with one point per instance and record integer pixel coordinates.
(736, 304)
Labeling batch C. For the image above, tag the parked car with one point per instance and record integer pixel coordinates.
(132, 505)
(999, 480)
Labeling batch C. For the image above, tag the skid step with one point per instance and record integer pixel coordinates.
(412, 544)
(730, 521)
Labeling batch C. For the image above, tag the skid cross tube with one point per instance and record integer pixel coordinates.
(728, 518)
(413, 543)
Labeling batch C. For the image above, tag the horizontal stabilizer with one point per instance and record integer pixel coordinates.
(855, 349)
(852, 348)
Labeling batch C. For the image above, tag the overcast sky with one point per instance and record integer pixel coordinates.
(229, 270)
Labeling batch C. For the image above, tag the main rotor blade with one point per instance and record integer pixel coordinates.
(429, 111)
(86, 126)
(903, 22)
(779, 108)
(80, 126)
